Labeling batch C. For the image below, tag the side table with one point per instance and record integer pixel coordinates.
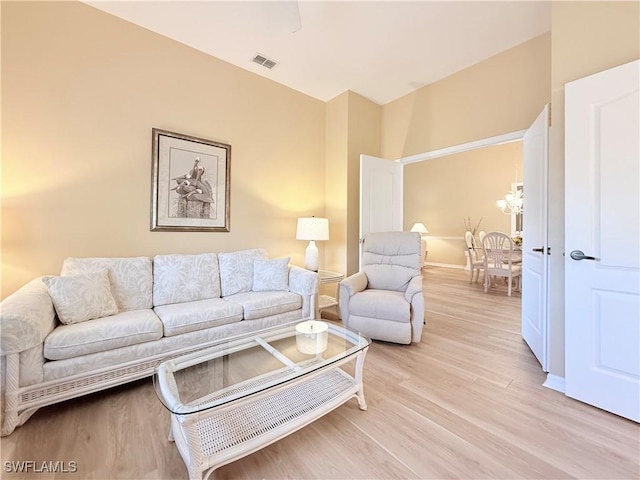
(327, 301)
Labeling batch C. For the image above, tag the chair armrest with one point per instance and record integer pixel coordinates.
(415, 296)
(414, 287)
(353, 284)
(26, 317)
(348, 288)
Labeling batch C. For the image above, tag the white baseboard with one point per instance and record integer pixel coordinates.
(445, 265)
(554, 382)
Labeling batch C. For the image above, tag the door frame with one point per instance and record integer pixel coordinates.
(464, 147)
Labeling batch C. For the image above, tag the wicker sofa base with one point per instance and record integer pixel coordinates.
(22, 402)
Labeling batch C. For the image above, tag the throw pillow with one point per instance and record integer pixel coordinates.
(271, 275)
(131, 278)
(82, 297)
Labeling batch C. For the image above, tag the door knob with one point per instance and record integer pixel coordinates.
(579, 255)
(541, 249)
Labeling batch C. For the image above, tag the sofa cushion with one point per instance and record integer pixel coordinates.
(131, 278)
(265, 304)
(187, 317)
(102, 334)
(271, 274)
(236, 270)
(82, 297)
(383, 304)
(185, 278)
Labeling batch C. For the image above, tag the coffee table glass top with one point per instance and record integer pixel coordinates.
(244, 365)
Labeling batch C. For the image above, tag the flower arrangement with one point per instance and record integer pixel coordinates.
(469, 227)
(517, 240)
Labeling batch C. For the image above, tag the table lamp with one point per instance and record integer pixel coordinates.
(312, 229)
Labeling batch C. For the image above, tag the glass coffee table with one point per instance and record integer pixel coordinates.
(239, 395)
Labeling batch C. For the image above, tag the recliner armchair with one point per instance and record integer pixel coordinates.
(385, 300)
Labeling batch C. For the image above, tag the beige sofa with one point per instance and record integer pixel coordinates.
(107, 321)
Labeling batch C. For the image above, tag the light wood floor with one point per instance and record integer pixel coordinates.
(467, 402)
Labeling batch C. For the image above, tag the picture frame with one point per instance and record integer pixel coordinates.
(190, 183)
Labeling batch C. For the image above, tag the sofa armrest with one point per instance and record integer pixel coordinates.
(26, 317)
(302, 281)
(305, 283)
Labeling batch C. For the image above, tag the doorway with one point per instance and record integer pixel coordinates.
(535, 251)
(534, 311)
(451, 193)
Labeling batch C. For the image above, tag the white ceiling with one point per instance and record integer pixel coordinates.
(379, 49)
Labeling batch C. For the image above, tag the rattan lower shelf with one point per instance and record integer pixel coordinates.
(212, 438)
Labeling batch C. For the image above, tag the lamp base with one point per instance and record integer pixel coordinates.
(311, 257)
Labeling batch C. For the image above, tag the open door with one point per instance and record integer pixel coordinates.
(380, 196)
(535, 249)
(602, 240)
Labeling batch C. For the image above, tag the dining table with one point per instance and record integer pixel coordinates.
(516, 253)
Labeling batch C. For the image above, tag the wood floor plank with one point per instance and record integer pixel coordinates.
(466, 402)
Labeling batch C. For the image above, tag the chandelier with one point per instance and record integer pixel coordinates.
(513, 202)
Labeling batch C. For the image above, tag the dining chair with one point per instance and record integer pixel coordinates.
(476, 263)
(499, 254)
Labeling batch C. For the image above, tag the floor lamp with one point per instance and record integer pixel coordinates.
(421, 229)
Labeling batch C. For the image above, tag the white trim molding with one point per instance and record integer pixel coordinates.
(554, 382)
(445, 265)
(443, 238)
(485, 142)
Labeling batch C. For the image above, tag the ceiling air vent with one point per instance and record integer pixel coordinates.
(264, 61)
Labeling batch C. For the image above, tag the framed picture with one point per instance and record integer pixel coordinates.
(189, 183)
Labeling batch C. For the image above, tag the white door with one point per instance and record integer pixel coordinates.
(535, 251)
(380, 195)
(602, 240)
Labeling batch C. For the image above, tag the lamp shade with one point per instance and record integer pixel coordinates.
(420, 228)
(312, 228)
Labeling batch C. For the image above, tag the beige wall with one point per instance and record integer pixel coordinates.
(365, 119)
(587, 37)
(442, 192)
(336, 186)
(353, 128)
(81, 91)
(502, 94)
